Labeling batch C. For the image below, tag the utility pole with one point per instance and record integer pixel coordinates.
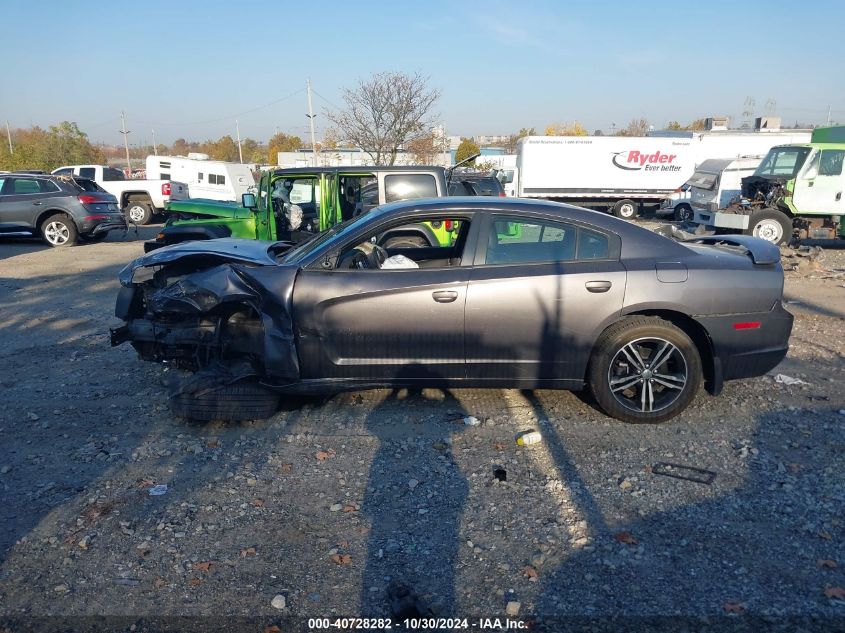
(155, 147)
(125, 133)
(12, 151)
(311, 116)
(238, 132)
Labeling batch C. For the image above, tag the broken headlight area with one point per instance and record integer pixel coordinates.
(195, 342)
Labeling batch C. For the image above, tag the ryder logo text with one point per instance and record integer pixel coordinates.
(635, 160)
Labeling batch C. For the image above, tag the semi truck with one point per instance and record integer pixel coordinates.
(626, 174)
(796, 191)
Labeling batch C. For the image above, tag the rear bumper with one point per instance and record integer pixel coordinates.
(745, 353)
(113, 223)
(722, 220)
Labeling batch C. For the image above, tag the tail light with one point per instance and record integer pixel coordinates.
(501, 194)
(448, 225)
(165, 188)
(86, 199)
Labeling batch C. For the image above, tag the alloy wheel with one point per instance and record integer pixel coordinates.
(56, 233)
(647, 375)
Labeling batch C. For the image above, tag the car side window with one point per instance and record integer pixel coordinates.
(2, 182)
(831, 162)
(87, 172)
(48, 186)
(525, 241)
(408, 186)
(25, 186)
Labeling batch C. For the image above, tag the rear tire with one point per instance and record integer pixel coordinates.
(770, 225)
(684, 213)
(626, 209)
(227, 403)
(626, 382)
(59, 231)
(138, 212)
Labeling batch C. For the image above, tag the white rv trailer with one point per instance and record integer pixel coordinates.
(210, 179)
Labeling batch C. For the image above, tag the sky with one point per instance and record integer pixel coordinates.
(191, 68)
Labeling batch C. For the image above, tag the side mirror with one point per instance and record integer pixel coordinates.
(248, 201)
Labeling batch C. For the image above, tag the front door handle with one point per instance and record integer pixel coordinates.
(598, 286)
(444, 296)
(37, 203)
(838, 196)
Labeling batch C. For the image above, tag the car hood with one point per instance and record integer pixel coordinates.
(213, 251)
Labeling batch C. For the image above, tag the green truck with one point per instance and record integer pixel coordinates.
(294, 204)
(796, 191)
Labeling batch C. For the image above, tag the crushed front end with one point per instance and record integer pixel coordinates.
(196, 308)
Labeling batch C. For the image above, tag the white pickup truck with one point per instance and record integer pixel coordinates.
(139, 199)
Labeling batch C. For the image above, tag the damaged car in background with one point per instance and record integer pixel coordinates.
(524, 294)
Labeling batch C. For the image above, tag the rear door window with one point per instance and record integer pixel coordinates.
(87, 172)
(409, 186)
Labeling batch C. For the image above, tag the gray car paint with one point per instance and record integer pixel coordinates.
(526, 324)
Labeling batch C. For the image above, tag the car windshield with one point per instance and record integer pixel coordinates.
(301, 251)
(783, 161)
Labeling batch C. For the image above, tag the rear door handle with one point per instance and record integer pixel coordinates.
(37, 203)
(598, 286)
(444, 296)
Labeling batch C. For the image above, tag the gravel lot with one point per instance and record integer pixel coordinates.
(334, 503)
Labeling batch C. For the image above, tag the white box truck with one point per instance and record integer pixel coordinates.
(620, 174)
(208, 179)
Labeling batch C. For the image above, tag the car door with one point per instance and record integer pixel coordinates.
(384, 325)
(818, 187)
(24, 198)
(540, 290)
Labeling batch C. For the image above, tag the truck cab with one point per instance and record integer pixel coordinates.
(293, 204)
(795, 189)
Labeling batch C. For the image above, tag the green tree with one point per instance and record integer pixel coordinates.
(697, 125)
(466, 149)
(281, 142)
(36, 148)
(673, 125)
(566, 129)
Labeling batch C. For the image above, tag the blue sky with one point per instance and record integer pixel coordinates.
(191, 68)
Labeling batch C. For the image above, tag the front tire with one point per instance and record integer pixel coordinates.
(644, 370)
(138, 212)
(684, 213)
(240, 401)
(626, 209)
(770, 225)
(59, 231)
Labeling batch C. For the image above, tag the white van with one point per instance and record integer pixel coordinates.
(209, 179)
(718, 181)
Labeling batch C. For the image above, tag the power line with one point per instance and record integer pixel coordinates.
(334, 105)
(231, 116)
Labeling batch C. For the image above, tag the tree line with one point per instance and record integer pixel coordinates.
(65, 144)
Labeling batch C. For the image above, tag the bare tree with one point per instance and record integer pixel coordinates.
(385, 112)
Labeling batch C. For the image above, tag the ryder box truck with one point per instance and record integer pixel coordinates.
(619, 174)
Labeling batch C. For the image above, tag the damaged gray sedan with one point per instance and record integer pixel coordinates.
(518, 294)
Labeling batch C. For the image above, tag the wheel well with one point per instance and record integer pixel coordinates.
(50, 212)
(691, 328)
(132, 196)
